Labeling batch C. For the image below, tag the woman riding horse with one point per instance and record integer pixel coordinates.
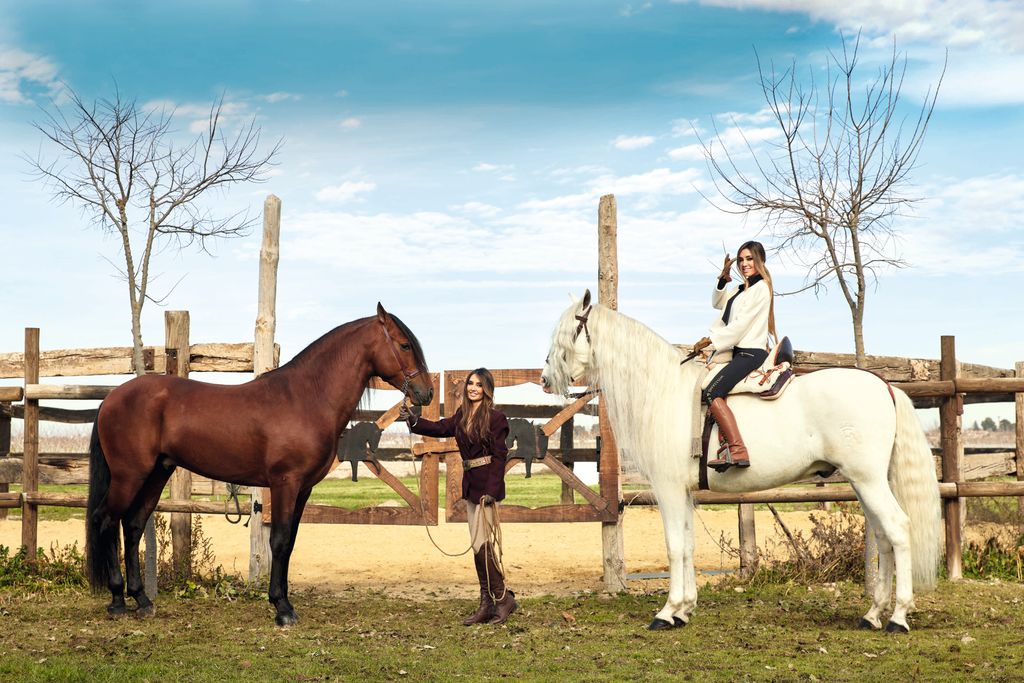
(743, 328)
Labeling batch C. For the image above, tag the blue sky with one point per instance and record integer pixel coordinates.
(446, 158)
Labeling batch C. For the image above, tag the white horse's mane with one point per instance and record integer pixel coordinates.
(648, 393)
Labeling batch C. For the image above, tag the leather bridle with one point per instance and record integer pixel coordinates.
(582, 327)
(405, 373)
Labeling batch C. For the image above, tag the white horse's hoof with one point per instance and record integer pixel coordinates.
(662, 625)
(867, 625)
(893, 627)
(678, 622)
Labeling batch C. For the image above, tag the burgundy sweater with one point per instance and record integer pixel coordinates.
(486, 479)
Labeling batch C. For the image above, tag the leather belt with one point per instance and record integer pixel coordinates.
(476, 462)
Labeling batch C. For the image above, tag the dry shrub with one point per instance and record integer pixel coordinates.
(832, 551)
(1000, 556)
(197, 567)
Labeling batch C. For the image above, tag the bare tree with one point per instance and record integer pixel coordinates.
(119, 162)
(831, 184)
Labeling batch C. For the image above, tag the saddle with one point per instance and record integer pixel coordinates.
(768, 381)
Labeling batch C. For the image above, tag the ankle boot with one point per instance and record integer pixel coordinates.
(735, 453)
(504, 599)
(485, 611)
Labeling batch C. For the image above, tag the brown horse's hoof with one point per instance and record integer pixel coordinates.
(116, 611)
(146, 612)
(285, 620)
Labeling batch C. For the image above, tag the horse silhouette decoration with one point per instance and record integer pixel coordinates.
(358, 444)
(840, 418)
(531, 442)
(279, 430)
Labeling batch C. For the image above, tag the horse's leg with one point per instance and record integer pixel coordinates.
(111, 515)
(677, 518)
(892, 530)
(285, 512)
(134, 523)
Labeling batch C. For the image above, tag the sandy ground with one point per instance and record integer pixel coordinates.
(540, 558)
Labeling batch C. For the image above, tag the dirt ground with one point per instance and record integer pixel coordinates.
(541, 559)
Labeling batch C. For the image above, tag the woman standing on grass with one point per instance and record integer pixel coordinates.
(480, 432)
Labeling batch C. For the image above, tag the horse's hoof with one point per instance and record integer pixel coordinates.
(146, 612)
(287, 619)
(866, 625)
(678, 622)
(661, 625)
(893, 627)
(116, 611)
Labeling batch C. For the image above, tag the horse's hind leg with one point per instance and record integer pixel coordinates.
(134, 524)
(677, 519)
(892, 529)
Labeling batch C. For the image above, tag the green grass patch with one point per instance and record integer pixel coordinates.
(966, 630)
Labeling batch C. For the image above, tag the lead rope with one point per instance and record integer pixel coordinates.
(494, 531)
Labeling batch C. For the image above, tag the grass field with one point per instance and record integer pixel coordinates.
(965, 631)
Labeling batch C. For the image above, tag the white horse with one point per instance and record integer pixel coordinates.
(834, 418)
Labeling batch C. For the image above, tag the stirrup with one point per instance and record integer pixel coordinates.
(724, 462)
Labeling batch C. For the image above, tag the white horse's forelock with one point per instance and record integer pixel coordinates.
(558, 371)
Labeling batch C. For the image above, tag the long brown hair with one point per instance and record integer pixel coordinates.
(477, 423)
(757, 251)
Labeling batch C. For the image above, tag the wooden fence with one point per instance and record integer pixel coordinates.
(942, 383)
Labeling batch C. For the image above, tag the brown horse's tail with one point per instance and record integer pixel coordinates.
(101, 538)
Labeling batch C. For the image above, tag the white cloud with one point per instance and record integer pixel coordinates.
(956, 23)
(351, 123)
(631, 142)
(22, 71)
(732, 139)
(653, 185)
(478, 209)
(484, 167)
(630, 10)
(275, 97)
(347, 191)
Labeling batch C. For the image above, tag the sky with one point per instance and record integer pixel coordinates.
(446, 159)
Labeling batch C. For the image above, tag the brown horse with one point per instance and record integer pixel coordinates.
(280, 430)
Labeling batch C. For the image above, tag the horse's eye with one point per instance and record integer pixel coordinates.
(405, 347)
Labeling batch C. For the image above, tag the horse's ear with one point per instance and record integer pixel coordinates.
(586, 298)
(382, 315)
(573, 298)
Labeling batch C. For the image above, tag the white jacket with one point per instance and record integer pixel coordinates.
(748, 318)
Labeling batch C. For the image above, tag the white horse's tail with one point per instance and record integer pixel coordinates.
(912, 477)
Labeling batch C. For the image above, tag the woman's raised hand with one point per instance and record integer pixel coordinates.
(726, 269)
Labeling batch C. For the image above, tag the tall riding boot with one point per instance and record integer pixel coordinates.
(504, 599)
(485, 611)
(735, 453)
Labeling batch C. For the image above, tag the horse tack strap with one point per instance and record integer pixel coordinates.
(476, 462)
(582, 327)
(391, 344)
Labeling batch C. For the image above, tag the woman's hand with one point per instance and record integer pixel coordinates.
(702, 344)
(406, 415)
(486, 500)
(726, 269)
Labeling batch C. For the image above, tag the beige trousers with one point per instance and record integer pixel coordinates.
(481, 522)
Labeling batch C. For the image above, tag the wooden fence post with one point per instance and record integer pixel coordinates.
(5, 445)
(748, 540)
(30, 464)
(1019, 419)
(952, 453)
(263, 360)
(611, 487)
(565, 444)
(176, 345)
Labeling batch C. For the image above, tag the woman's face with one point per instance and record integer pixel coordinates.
(746, 262)
(474, 388)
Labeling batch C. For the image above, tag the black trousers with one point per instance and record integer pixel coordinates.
(744, 361)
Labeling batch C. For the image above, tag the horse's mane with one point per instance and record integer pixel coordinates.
(648, 393)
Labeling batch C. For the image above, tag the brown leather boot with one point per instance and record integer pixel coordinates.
(485, 611)
(504, 599)
(735, 453)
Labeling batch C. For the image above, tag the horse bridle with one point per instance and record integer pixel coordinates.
(405, 373)
(582, 327)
